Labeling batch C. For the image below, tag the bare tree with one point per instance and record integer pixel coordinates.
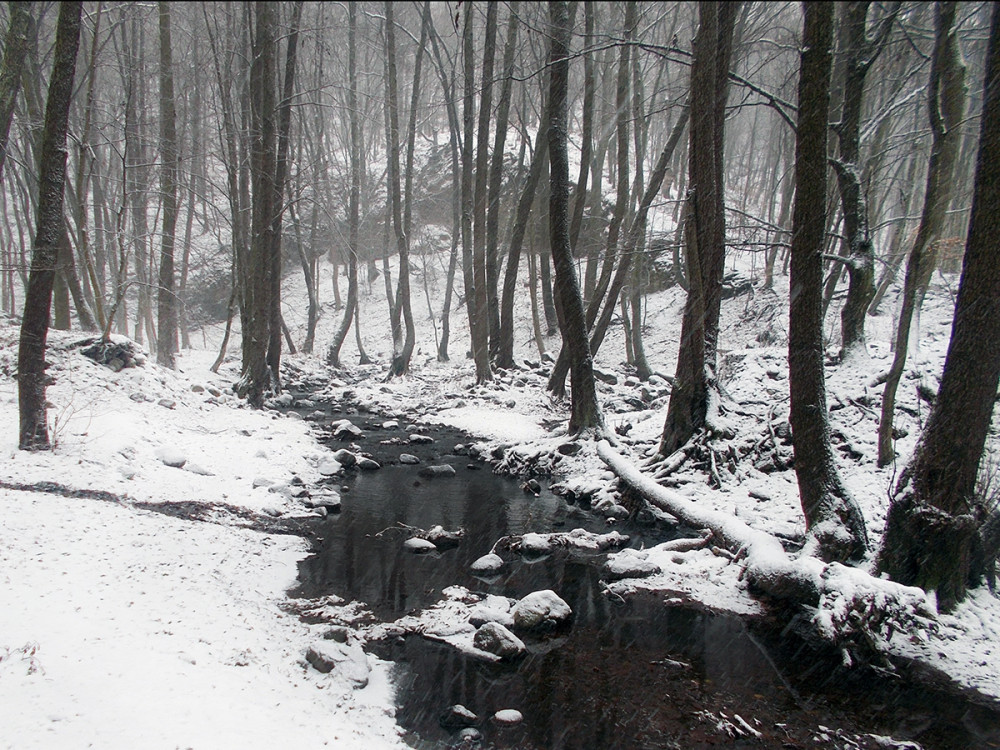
(31, 376)
(833, 520)
(694, 399)
(932, 520)
(585, 410)
(166, 300)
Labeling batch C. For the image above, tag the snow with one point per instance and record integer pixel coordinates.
(123, 627)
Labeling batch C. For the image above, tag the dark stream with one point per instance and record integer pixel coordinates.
(625, 674)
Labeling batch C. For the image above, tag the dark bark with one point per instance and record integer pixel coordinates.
(858, 52)
(494, 184)
(354, 206)
(932, 517)
(284, 112)
(694, 380)
(585, 410)
(833, 520)
(31, 376)
(480, 296)
(946, 106)
(402, 347)
(15, 51)
(166, 295)
(255, 381)
(505, 354)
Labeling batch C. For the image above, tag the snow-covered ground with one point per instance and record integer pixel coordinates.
(124, 627)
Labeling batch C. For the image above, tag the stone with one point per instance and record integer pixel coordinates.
(418, 439)
(628, 564)
(329, 467)
(368, 464)
(532, 487)
(347, 659)
(139, 398)
(508, 717)
(408, 458)
(535, 544)
(457, 716)
(262, 482)
(460, 450)
(195, 388)
(443, 539)
(345, 457)
(214, 392)
(605, 377)
(198, 469)
(487, 564)
(470, 736)
(541, 610)
(569, 449)
(436, 472)
(115, 364)
(171, 457)
(337, 633)
(390, 424)
(494, 638)
(419, 546)
(329, 500)
(344, 429)
(283, 401)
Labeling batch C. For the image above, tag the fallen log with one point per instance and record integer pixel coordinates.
(851, 604)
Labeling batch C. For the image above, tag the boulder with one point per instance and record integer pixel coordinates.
(443, 539)
(457, 716)
(508, 717)
(436, 472)
(541, 610)
(494, 638)
(418, 439)
(368, 464)
(408, 458)
(418, 545)
(347, 660)
(628, 564)
(345, 458)
(487, 565)
(329, 467)
(344, 429)
(170, 456)
(329, 500)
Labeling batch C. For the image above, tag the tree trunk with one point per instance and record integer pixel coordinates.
(31, 376)
(255, 381)
(585, 410)
(505, 354)
(694, 388)
(15, 51)
(931, 522)
(276, 324)
(946, 105)
(402, 347)
(166, 300)
(495, 183)
(480, 295)
(354, 206)
(833, 520)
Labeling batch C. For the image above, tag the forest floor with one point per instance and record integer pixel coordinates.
(126, 623)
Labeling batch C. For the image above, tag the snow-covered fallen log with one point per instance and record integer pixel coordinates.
(768, 566)
(851, 604)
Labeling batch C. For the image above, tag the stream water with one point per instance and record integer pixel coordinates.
(626, 674)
